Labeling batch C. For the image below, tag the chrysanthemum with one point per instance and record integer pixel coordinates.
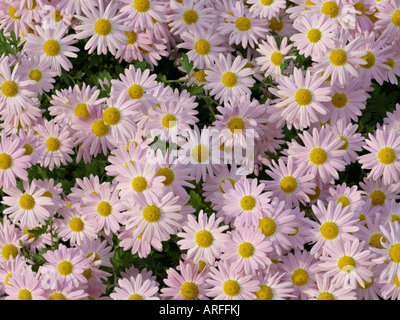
(326, 290)
(135, 288)
(388, 22)
(136, 42)
(315, 35)
(266, 8)
(335, 224)
(347, 196)
(203, 237)
(382, 158)
(228, 79)
(304, 98)
(104, 27)
(390, 212)
(273, 286)
(98, 251)
(24, 286)
(391, 289)
(33, 147)
(246, 202)
(65, 292)
(348, 262)
(320, 153)
(392, 119)
(188, 284)
(393, 62)
(377, 191)
(242, 26)
(289, 182)
(271, 57)
(227, 284)
(141, 13)
(68, 264)
(28, 207)
(52, 45)
(370, 230)
(68, 7)
(58, 141)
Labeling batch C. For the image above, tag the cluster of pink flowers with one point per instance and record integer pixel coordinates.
(299, 234)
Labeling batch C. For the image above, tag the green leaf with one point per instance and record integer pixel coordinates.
(186, 65)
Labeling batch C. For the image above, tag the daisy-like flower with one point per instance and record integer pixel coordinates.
(388, 22)
(188, 284)
(204, 238)
(304, 98)
(289, 182)
(104, 27)
(28, 207)
(320, 153)
(347, 196)
(67, 7)
(247, 250)
(383, 147)
(76, 226)
(132, 48)
(15, 91)
(330, 8)
(377, 191)
(65, 292)
(340, 62)
(84, 187)
(98, 251)
(392, 119)
(348, 262)
(391, 289)
(393, 62)
(266, 8)
(10, 19)
(315, 35)
(189, 16)
(10, 267)
(135, 288)
(390, 253)
(246, 202)
(68, 265)
(11, 239)
(24, 286)
(271, 57)
(141, 13)
(335, 224)
(58, 141)
(242, 27)
(204, 47)
(391, 212)
(31, 144)
(273, 286)
(52, 45)
(228, 284)
(228, 79)
(326, 290)
(282, 25)
(106, 209)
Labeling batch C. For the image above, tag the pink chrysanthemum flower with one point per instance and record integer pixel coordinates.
(247, 250)
(203, 237)
(228, 79)
(135, 288)
(320, 154)
(25, 286)
(392, 119)
(388, 15)
(98, 251)
(31, 144)
(58, 141)
(266, 8)
(348, 262)
(326, 290)
(377, 191)
(347, 196)
(137, 42)
(273, 286)
(335, 224)
(68, 264)
(383, 147)
(141, 13)
(289, 182)
(104, 27)
(67, 7)
(52, 45)
(65, 292)
(10, 267)
(188, 284)
(29, 208)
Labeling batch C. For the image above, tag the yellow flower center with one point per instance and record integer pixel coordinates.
(102, 27)
(295, 233)
(366, 284)
(288, 184)
(12, 11)
(370, 59)
(5, 161)
(326, 296)
(200, 76)
(345, 145)
(318, 156)
(99, 128)
(139, 184)
(81, 110)
(9, 88)
(53, 144)
(132, 37)
(24, 294)
(190, 16)
(135, 297)
(390, 63)
(26, 202)
(394, 253)
(359, 6)
(169, 121)
(236, 125)
(111, 116)
(338, 57)
(243, 23)
(96, 256)
(329, 230)
(35, 74)
(229, 79)
(168, 174)
(387, 155)
(375, 240)
(265, 293)
(57, 16)
(303, 97)
(65, 268)
(135, 91)
(9, 250)
(267, 226)
(246, 250)
(300, 277)
(201, 153)
(151, 213)
(204, 238)
(276, 58)
(189, 290)
(314, 35)
(396, 18)
(31, 235)
(266, 2)
(344, 201)
(51, 47)
(276, 24)
(76, 224)
(57, 296)
(104, 208)
(331, 9)
(248, 203)
(223, 181)
(377, 198)
(202, 47)
(8, 277)
(346, 264)
(141, 5)
(231, 288)
(316, 195)
(28, 149)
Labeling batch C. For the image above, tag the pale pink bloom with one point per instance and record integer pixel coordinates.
(68, 7)
(11, 239)
(31, 144)
(10, 267)
(389, 20)
(135, 288)
(326, 290)
(273, 285)
(136, 43)
(142, 13)
(24, 286)
(347, 196)
(98, 251)
(64, 291)
(378, 191)
(265, 9)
